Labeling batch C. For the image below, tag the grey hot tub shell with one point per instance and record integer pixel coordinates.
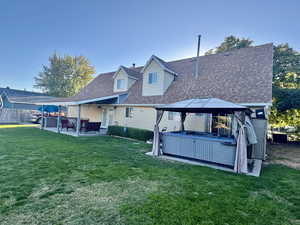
(211, 149)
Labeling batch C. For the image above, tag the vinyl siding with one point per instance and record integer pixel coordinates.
(88, 111)
(145, 117)
(156, 88)
(121, 75)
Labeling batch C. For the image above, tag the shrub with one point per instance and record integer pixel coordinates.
(130, 132)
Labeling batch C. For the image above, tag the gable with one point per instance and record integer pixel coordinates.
(122, 80)
(154, 88)
(164, 65)
(240, 76)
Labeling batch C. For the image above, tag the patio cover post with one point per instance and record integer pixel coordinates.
(42, 122)
(45, 120)
(58, 120)
(78, 120)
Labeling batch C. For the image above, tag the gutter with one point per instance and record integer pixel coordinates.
(77, 102)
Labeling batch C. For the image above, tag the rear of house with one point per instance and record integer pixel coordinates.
(128, 96)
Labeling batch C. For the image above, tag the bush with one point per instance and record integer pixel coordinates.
(130, 132)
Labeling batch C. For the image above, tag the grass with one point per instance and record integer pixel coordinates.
(48, 178)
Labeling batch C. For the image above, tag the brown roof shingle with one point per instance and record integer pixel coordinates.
(240, 76)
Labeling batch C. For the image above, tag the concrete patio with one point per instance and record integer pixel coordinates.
(73, 133)
(255, 170)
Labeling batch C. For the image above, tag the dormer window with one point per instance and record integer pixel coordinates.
(120, 84)
(152, 78)
(157, 77)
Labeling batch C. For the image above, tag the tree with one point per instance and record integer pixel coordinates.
(64, 76)
(230, 43)
(286, 80)
(286, 67)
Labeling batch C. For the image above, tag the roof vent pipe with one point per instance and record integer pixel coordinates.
(197, 59)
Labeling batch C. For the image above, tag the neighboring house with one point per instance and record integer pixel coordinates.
(128, 96)
(16, 105)
(19, 99)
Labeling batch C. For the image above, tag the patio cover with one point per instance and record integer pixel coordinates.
(205, 105)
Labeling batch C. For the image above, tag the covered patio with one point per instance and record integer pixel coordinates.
(78, 125)
(226, 145)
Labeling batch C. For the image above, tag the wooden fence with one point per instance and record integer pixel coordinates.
(14, 115)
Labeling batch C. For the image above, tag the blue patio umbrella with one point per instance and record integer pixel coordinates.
(49, 108)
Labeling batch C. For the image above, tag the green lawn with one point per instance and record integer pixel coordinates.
(47, 178)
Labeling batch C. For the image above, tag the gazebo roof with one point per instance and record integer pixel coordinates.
(205, 105)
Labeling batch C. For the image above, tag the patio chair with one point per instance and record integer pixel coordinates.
(65, 123)
(93, 126)
(83, 124)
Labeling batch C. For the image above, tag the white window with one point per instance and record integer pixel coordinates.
(121, 84)
(128, 112)
(152, 78)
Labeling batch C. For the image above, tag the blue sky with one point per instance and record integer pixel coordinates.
(111, 33)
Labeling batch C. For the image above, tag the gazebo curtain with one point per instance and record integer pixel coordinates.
(251, 136)
(241, 162)
(156, 137)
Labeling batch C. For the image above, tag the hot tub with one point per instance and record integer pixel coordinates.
(200, 146)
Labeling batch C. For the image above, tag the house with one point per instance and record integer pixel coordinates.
(16, 105)
(128, 96)
(20, 99)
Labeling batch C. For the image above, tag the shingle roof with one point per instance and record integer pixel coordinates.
(240, 76)
(19, 93)
(21, 96)
(131, 72)
(30, 99)
(162, 63)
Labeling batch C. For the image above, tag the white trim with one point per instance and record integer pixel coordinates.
(122, 68)
(153, 57)
(117, 96)
(147, 105)
(154, 105)
(77, 102)
(134, 78)
(255, 104)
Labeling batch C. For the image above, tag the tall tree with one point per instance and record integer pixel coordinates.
(286, 80)
(64, 76)
(286, 67)
(229, 43)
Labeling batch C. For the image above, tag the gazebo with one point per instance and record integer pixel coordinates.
(202, 146)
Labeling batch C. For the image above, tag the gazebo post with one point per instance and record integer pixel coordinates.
(78, 120)
(58, 120)
(182, 119)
